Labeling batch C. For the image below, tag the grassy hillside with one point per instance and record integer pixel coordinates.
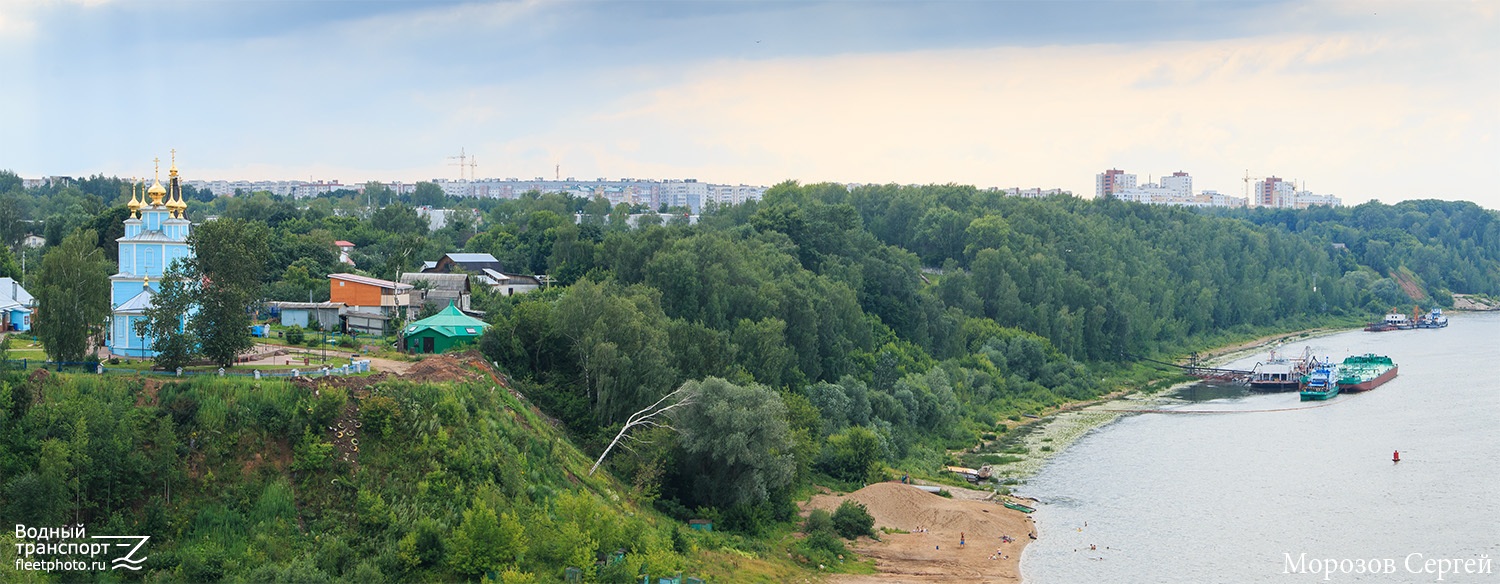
(443, 475)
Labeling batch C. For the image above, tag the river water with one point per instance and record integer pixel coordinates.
(1230, 497)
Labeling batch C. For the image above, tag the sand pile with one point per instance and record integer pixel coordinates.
(907, 508)
(439, 368)
(934, 555)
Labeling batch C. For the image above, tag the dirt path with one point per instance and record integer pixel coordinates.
(930, 550)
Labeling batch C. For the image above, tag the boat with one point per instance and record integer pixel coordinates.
(1018, 507)
(1365, 372)
(1322, 382)
(1278, 373)
(1433, 319)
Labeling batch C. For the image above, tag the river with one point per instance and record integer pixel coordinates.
(1241, 497)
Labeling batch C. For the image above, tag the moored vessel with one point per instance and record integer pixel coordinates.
(1279, 373)
(1322, 382)
(1365, 372)
(1433, 319)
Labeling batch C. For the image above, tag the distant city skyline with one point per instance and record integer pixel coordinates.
(1388, 100)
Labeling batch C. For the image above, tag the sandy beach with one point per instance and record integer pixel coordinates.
(930, 550)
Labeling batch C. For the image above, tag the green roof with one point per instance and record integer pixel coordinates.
(450, 323)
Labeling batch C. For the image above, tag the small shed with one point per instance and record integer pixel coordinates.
(441, 331)
(326, 314)
(365, 322)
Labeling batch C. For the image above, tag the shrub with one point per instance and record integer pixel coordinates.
(379, 415)
(818, 520)
(852, 520)
(294, 335)
(820, 548)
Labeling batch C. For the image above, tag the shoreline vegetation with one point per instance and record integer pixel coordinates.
(1030, 443)
(905, 554)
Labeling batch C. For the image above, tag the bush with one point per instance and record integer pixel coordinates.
(294, 335)
(852, 520)
(820, 548)
(818, 520)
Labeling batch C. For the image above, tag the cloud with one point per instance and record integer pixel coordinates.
(1054, 116)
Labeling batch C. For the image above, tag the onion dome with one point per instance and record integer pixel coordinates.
(135, 203)
(177, 205)
(156, 192)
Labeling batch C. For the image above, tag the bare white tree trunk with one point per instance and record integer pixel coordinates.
(648, 417)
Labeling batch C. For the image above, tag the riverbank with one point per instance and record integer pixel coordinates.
(1027, 447)
(928, 538)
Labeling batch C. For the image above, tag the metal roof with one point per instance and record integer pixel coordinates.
(450, 323)
(11, 290)
(137, 304)
(306, 305)
(370, 281)
(439, 281)
(471, 258)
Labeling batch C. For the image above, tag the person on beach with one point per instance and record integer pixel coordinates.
(960, 539)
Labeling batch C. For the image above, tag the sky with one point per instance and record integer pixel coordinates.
(1363, 100)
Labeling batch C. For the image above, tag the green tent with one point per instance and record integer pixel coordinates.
(440, 331)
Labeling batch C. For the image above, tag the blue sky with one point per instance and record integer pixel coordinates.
(1387, 100)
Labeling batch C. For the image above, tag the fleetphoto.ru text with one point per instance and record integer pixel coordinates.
(72, 549)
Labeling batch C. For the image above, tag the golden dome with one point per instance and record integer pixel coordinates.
(135, 203)
(156, 192)
(177, 206)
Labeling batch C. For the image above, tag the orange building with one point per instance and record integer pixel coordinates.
(371, 295)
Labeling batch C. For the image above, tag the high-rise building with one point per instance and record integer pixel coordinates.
(1269, 192)
(1180, 184)
(1112, 181)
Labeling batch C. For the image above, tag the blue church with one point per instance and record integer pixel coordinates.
(155, 234)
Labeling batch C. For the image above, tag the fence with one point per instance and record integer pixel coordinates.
(354, 367)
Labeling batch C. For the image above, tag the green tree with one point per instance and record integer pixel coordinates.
(737, 442)
(230, 284)
(427, 195)
(72, 294)
(485, 541)
(165, 324)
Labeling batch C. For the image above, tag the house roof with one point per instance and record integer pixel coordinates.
(342, 243)
(368, 281)
(138, 303)
(499, 279)
(448, 282)
(471, 258)
(150, 237)
(449, 322)
(306, 305)
(11, 290)
(354, 312)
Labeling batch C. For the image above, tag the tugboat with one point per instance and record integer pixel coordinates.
(1365, 372)
(1433, 319)
(1322, 382)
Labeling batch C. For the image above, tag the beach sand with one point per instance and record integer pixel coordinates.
(935, 556)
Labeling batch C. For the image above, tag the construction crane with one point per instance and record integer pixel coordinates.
(1249, 178)
(462, 157)
(473, 168)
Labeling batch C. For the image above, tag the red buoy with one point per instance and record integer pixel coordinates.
(1396, 456)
